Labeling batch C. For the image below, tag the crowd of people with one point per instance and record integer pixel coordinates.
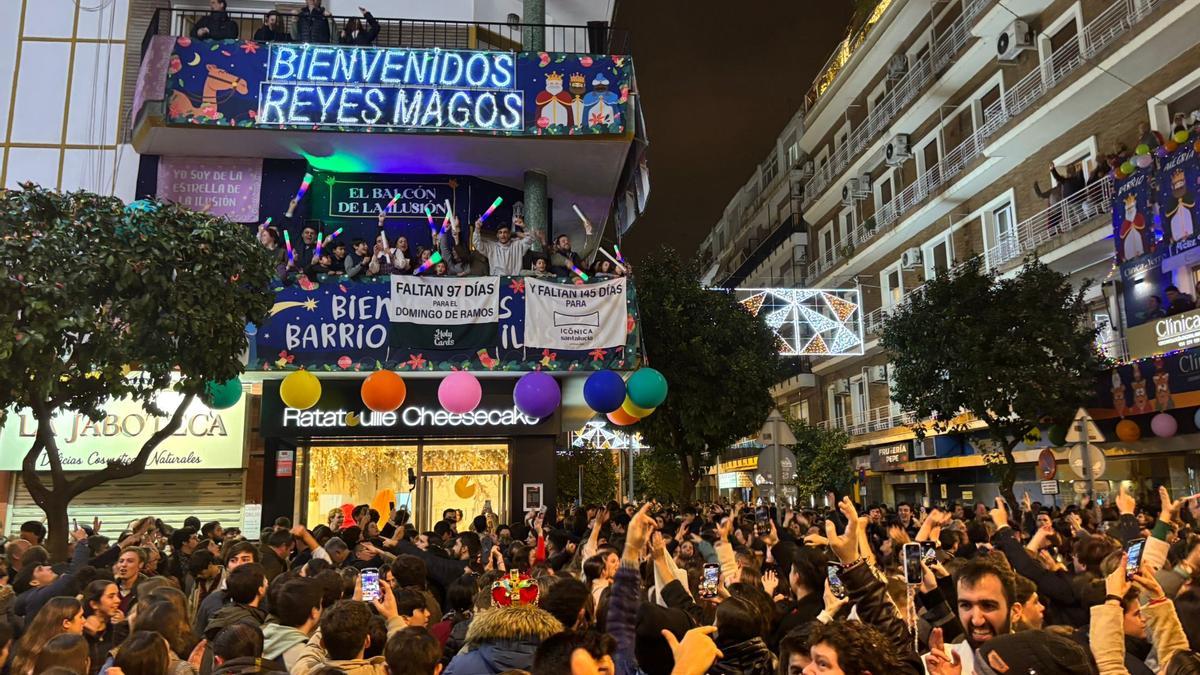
(513, 251)
(313, 24)
(620, 589)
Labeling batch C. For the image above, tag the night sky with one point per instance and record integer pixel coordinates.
(718, 81)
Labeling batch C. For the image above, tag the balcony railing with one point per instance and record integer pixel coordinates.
(841, 55)
(882, 418)
(1112, 23)
(594, 38)
(920, 74)
(1091, 202)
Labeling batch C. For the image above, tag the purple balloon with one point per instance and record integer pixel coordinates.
(1164, 425)
(537, 394)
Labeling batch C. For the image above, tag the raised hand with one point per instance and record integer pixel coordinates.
(770, 581)
(938, 661)
(999, 514)
(844, 545)
(1126, 504)
(1116, 583)
(696, 653)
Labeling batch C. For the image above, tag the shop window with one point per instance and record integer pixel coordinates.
(354, 475)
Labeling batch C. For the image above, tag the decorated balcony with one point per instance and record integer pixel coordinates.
(421, 324)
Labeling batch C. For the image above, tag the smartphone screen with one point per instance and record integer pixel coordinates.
(929, 552)
(370, 584)
(762, 515)
(835, 582)
(1135, 557)
(710, 580)
(912, 563)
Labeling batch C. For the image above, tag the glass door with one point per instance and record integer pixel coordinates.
(465, 476)
(358, 474)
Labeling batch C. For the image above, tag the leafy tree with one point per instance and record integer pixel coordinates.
(599, 474)
(1008, 352)
(656, 475)
(821, 459)
(90, 291)
(718, 359)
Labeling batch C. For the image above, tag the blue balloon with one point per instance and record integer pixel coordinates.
(537, 394)
(251, 329)
(604, 391)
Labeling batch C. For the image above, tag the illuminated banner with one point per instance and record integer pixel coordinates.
(390, 88)
(1153, 250)
(242, 83)
(566, 316)
(340, 412)
(809, 321)
(1166, 334)
(341, 325)
(206, 439)
(441, 313)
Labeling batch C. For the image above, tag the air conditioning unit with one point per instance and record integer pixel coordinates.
(864, 185)
(841, 387)
(809, 168)
(911, 259)
(1014, 40)
(850, 192)
(898, 150)
(897, 65)
(878, 374)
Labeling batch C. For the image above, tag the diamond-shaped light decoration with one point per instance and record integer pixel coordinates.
(815, 346)
(754, 303)
(842, 308)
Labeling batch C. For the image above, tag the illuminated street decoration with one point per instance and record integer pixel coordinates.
(597, 434)
(809, 321)
(390, 88)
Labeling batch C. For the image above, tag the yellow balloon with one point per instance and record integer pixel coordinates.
(633, 410)
(300, 390)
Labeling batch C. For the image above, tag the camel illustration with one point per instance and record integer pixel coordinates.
(184, 105)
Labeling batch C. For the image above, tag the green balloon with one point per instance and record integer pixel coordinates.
(647, 388)
(1058, 435)
(1142, 149)
(222, 395)
(1127, 167)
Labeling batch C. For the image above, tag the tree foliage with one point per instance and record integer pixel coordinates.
(656, 475)
(599, 474)
(821, 460)
(718, 359)
(89, 292)
(1008, 352)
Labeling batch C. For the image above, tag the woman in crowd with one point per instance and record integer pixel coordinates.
(59, 615)
(104, 625)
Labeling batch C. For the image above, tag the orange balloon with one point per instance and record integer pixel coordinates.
(1196, 146)
(621, 418)
(383, 391)
(1128, 431)
(1170, 145)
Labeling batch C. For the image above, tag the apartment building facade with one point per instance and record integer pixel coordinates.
(925, 142)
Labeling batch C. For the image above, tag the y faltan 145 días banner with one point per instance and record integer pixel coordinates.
(473, 323)
(243, 83)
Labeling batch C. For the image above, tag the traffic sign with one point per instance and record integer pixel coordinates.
(1083, 428)
(1075, 459)
(1049, 487)
(1047, 464)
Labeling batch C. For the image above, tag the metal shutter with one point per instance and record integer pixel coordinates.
(169, 495)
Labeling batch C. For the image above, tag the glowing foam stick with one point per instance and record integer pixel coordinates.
(617, 249)
(579, 273)
(334, 235)
(287, 239)
(620, 267)
(395, 198)
(579, 213)
(267, 222)
(491, 209)
(300, 193)
(320, 240)
(433, 260)
(433, 230)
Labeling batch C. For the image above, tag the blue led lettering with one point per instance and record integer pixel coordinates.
(351, 86)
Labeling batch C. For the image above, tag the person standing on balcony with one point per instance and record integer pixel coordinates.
(312, 23)
(354, 34)
(272, 29)
(1178, 302)
(562, 258)
(1052, 197)
(506, 253)
(216, 25)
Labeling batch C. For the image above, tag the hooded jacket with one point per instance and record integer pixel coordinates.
(246, 665)
(283, 643)
(503, 638)
(235, 613)
(749, 657)
(314, 657)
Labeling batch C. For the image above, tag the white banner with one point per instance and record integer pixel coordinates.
(446, 313)
(566, 316)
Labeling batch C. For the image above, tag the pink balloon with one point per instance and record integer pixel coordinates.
(460, 392)
(1164, 425)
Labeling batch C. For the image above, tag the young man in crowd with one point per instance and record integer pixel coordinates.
(216, 25)
(506, 253)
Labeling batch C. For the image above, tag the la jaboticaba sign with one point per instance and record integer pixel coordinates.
(243, 83)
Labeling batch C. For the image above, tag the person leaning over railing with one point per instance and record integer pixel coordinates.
(216, 25)
(272, 29)
(312, 23)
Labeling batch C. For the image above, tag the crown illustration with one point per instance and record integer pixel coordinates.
(553, 77)
(1131, 199)
(577, 79)
(515, 589)
(1178, 179)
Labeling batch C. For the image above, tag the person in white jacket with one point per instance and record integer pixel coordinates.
(507, 252)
